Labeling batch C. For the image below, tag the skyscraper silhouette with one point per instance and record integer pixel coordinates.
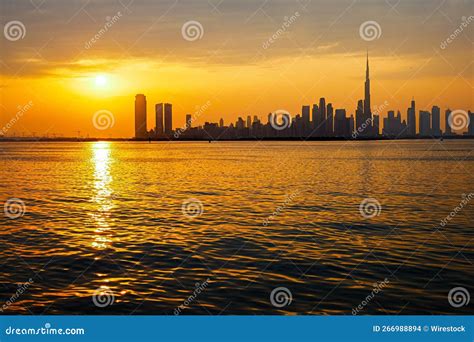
(306, 122)
(446, 118)
(159, 119)
(315, 116)
(435, 121)
(425, 127)
(189, 120)
(376, 125)
(140, 116)
(341, 123)
(329, 119)
(411, 119)
(367, 110)
(168, 119)
(322, 117)
(360, 117)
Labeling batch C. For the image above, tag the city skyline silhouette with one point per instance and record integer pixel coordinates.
(323, 121)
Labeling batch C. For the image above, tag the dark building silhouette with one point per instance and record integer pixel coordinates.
(446, 118)
(315, 117)
(159, 120)
(321, 124)
(329, 119)
(342, 126)
(168, 118)
(425, 127)
(393, 125)
(306, 120)
(411, 120)
(376, 125)
(360, 117)
(189, 121)
(367, 109)
(435, 121)
(140, 117)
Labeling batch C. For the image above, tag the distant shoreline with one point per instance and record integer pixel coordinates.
(44, 139)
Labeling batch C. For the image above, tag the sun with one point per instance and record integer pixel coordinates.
(100, 80)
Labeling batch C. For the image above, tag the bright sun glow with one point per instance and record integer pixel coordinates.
(100, 80)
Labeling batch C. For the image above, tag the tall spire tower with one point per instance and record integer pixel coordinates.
(367, 111)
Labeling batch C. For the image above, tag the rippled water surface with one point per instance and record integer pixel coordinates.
(109, 216)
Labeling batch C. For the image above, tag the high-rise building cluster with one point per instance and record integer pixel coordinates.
(163, 119)
(320, 120)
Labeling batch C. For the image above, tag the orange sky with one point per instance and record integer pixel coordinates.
(319, 53)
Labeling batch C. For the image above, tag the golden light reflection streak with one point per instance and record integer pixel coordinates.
(102, 198)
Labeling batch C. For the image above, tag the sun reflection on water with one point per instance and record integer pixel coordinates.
(103, 194)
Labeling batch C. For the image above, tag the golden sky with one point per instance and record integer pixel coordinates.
(250, 58)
